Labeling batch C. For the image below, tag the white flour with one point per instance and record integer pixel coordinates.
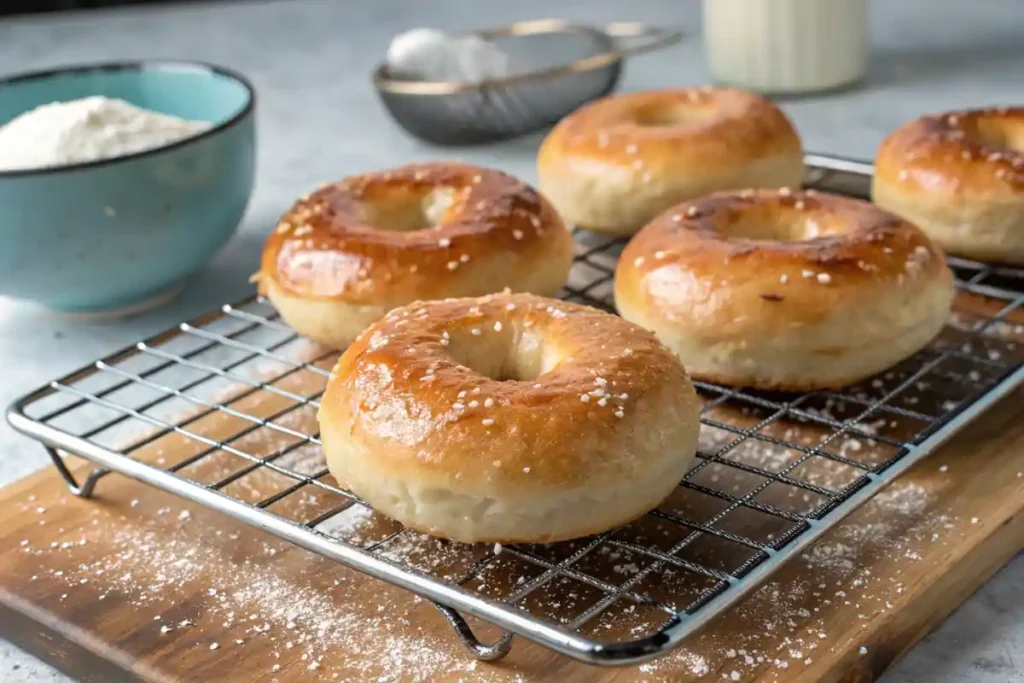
(85, 130)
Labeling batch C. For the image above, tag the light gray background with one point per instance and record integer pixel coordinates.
(319, 120)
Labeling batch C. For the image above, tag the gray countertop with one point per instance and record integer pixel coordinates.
(319, 119)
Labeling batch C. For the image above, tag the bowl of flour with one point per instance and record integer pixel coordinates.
(119, 181)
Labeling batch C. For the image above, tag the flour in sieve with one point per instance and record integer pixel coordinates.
(87, 129)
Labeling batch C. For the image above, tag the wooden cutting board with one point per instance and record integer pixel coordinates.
(138, 585)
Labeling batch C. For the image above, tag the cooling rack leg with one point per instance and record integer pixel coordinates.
(83, 490)
(487, 653)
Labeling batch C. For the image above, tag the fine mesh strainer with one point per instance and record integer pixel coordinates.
(555, 67)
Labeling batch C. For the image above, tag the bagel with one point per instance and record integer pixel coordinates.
(345, 255)
(787, 290)
(508, 418)
(960, 178)
(616, 163)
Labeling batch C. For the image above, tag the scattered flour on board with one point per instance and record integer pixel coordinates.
(680, 659)
(888, 512)
(161, 569)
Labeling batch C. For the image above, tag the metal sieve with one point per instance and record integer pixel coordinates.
(557, 67)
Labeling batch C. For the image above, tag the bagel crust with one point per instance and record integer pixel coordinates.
(786, 290)
(616, 163)
(508, 418)
(960, 178)
(345, 255)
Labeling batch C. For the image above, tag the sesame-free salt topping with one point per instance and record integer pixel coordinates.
(444, 242)
(517, 234)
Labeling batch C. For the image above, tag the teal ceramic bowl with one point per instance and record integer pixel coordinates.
(122, 233)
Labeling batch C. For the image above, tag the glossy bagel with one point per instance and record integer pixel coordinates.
(960, 178)
(614, 164)
(779, 289)
(508, 418)
(345, 255)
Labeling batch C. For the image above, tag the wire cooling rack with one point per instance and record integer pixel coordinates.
(221, 411)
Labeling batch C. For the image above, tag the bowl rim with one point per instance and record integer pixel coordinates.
(136, 65)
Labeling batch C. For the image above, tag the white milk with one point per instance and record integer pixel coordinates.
(786, 46)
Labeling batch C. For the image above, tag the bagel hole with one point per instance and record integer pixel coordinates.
(411, 211)
(788, 227)
(993, 132)
(655, 116)
(505, 356)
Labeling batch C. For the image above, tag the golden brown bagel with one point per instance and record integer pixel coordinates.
(960, 178)
(345, 255)
(784, 290)
(508, 418)
(616, 163)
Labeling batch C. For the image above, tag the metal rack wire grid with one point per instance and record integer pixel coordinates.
(222, 411)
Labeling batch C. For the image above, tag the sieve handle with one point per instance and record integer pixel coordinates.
(635, 38)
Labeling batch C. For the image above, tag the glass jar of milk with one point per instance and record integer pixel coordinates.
(786, 46)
